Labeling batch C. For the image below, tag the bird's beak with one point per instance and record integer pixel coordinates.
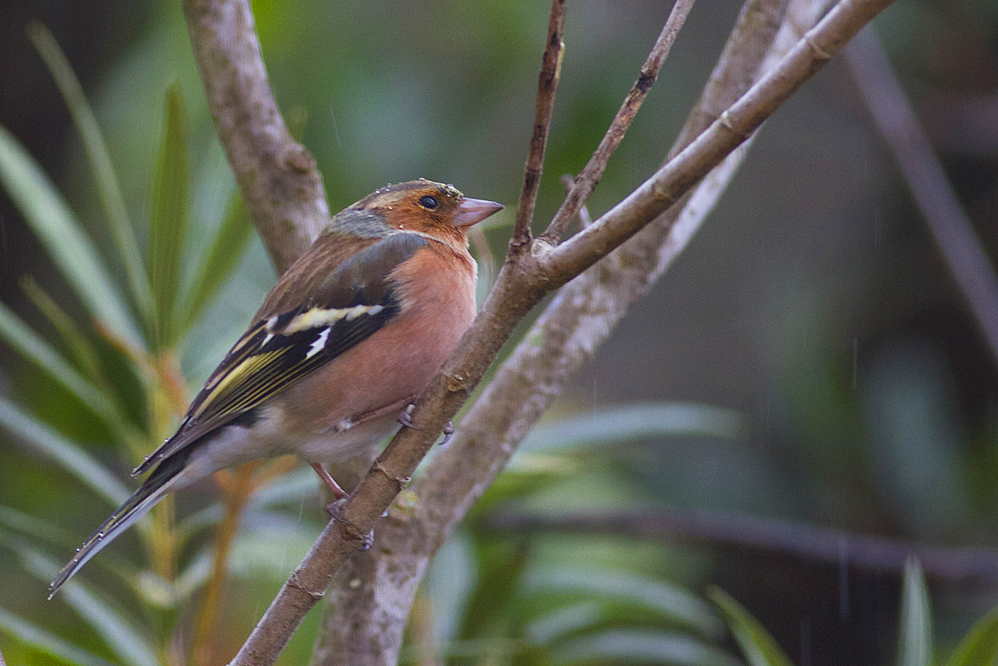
(473, 211)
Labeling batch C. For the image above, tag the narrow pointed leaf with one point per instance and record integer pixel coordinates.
(68, 455)
(37, 528)
(915, 640)
(757, 644)
(168, 222)
(980, 646)
(218, 262)
(49, 217)
(45, 642)
(669, 600)
(629, 422)
(34, 349)
(79, 345)
(125, 639)
(642, 647)
(108, 187)
(565, 621)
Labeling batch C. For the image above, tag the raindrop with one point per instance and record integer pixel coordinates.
(805, 642)
(843, 577)
(855, 361)
(336, 129)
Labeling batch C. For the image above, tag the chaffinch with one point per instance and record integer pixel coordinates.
(351, 333)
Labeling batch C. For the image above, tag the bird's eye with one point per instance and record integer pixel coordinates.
(428, 202)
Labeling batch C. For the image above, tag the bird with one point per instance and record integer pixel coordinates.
(345, 341)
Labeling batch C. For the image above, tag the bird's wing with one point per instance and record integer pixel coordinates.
(298, 330)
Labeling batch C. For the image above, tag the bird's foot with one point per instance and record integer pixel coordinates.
(405, 417)
(335, 510)
(448, 433)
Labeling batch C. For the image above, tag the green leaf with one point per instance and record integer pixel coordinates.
(980, 646)
(130, 644)
(638, 421)
(915, 639)
(642, 646)
(55, 225)
(221, 258)
(168, 223)
(563, 621)
(33, 348)
(45, 642)
(31, 526)
(757, 644)
(83, 351)
(670, 600)
(68, 455)
(488, 651)
(100, 162)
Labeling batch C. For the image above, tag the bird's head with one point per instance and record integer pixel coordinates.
(435, 209)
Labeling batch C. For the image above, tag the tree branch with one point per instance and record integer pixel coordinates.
(563, 339)
(277, 176)
(953, 232)
(755, 533)
(591, 174)
(547, 84)
(523, 281)
(733, 127)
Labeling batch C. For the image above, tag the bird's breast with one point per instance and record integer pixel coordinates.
(394, 363)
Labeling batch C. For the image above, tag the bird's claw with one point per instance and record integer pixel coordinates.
(405, 418)
(448, 433)
(334, 510)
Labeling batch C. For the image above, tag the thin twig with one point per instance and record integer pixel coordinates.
(734, 126)
(798, 540)
(547, 85)
(277, 176)
(931, 189)
(591, 174)
(584, 219)
(524, 279)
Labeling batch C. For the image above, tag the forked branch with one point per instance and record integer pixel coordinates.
(591, 174)
(523, 281)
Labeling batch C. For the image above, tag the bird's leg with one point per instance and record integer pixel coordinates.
(357, 419)
(333, 508)
(338, 492)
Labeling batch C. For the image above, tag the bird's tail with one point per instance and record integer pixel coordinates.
(146, 497)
